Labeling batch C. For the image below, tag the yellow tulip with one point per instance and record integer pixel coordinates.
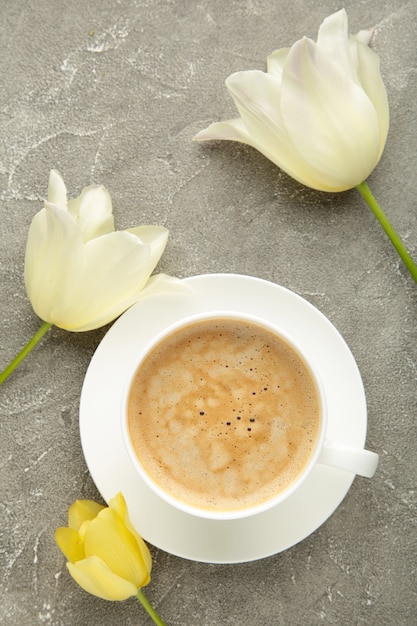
(80, 274)
(320, 112)
(106, 556)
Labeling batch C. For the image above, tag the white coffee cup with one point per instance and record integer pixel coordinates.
(324, 451)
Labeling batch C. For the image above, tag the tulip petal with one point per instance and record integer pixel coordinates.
(108, 272)
(92, 211)
(108, 538)
(333, 41)
(257, 96)
(275, 62)
(155, 237)
(371, 82)
(53, 240)
(118, 504)
(70, 543)
(57, 192)
(365, 36)
(163, 284)
(233, 130)
(329, 117)
(82, 510)
(97, 578)
(158, 284)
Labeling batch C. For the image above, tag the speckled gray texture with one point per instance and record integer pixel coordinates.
(112, 91)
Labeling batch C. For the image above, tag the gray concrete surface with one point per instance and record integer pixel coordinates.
(112, 91)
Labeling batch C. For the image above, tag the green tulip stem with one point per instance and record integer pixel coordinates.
(387, 226)
(149, 608)
(23, 353)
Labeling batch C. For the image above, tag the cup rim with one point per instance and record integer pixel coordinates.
(177, 502)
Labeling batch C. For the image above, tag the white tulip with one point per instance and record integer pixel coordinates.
(80, 274)
(320, 112)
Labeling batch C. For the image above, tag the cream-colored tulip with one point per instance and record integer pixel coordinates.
(80, 274)
(320, 112)
(106, 556)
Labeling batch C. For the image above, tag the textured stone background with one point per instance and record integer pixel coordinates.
(111, 91)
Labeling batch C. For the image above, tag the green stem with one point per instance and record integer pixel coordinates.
(149, 608)
(387, 226)
(23, 353)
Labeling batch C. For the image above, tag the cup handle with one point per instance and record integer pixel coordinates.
(355, 460)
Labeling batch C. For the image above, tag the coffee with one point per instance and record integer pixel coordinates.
(223, 414)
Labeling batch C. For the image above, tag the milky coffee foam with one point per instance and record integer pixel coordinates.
(223, 414)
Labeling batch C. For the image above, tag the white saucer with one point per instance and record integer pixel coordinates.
(160, 524)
